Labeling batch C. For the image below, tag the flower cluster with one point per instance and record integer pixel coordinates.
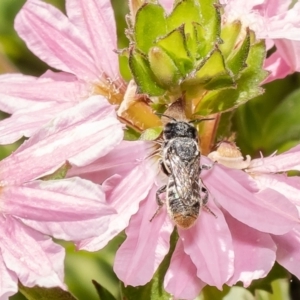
(109, 184)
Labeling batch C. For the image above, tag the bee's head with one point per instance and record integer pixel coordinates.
(176, 129)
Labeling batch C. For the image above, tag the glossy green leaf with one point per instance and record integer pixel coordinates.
(229, 35)
(175, 45)
(103, 293)
(185, 12)
(151, 134)
(150, 24)
(154, 289)
(143, 74)
(282, 124)
(237, 59)
(39, 293)
(163, 67)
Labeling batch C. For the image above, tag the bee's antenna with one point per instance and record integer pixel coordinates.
(200, 120)
(159, 114)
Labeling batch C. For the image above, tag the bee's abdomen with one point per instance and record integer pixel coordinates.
(183, 215)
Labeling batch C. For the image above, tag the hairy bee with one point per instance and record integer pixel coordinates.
(185, 191)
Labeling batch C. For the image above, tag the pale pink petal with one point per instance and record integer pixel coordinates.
(181, 279)
(254, 252)
(19, 91)
(95, 21)
(8, 281)
(58, 200)
(146, 245)
(32, 256)
(27, 121)
(288, 254)
(124, 193)
(167, 5)
(267, 210)
(274, 7)
(285, 25)
(54, 39)
(289, 51)
(123, 158)
(209, 244)
(79, 135)
(288, 186)
(277, 67)
(286, 161)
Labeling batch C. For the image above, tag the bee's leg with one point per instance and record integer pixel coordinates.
(164, 168)
(160, 202)
(205, 200)
(207, 167)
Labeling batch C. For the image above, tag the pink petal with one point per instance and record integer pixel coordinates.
(167, 5)
(96, 22)
(8, 281)
(123, 158)
(181, 278)
(80, 135)
(288, 254)
(55, 40)
(277, 67)
(287, 186)
(23, 92)
(146, 245)
(254, 252)
(287, 161)
(28, 121)
(209, 244)
(32, 256)
(124, 194)
(267, 210)
(55, 200)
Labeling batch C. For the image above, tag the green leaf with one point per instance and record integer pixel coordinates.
(210, 68)
(163, 67)
(130, 134)
(247, 85)
(154, 289)
(151, 134)
(175, 45)
(277, 272)
(229, 34)
(59, 173)
(39, 293)
(211, 22)
(143, 75)
(185, 12)
(212, 293)
(282, 124)
(150, 24)
(237, 60)
(103, 293)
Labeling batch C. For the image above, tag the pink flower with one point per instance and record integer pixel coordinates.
(69, 209)
(267, 173)
(74, 45)
(274, 22)
(213, 251)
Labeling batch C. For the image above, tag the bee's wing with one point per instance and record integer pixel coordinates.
(186, 178)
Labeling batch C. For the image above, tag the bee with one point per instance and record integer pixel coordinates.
(185, 192)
